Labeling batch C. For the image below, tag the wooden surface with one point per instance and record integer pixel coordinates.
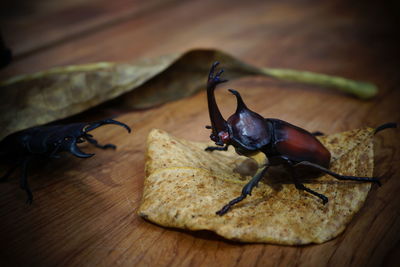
(84, 213)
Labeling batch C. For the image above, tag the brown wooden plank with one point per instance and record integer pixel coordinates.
(262, 36)
(84, 210)
(30, 27)
(197, 25)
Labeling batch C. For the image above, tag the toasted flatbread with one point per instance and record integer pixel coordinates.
(185, 186)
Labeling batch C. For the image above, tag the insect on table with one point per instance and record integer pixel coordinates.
(47, 141)
(281, 142)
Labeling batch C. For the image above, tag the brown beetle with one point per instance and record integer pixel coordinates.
(281, 142)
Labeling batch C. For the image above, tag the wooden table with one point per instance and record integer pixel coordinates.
(84, 211)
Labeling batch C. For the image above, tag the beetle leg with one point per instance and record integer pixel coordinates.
(301, 186)
(219, 148)
(24, 181)
(339, 176)
(8, 173)
(317, 133)
(96, 144)
(385, 126)
(245, 191)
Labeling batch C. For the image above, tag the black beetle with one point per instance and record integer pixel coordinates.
(281, 142)
(47, 141)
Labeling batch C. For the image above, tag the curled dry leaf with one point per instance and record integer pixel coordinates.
(185, 186)
(43, 97)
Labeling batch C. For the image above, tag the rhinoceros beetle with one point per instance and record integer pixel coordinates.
(282, 143)
(48, 141)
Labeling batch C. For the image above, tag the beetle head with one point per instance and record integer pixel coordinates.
(63, 138)
(75, 133)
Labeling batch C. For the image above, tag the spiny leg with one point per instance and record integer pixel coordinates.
(339, 176)
(8, 173)
(317, 133)
(24, 181)
(96, 144)
(245, 191)
(301, 186)
(219, 148)
(385, 126)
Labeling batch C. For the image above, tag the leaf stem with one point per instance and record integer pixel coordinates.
(362, 90)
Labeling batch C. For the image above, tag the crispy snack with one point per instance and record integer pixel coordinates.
(186, 185)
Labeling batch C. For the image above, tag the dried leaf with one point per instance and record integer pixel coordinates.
(43, 97)
(185, 186)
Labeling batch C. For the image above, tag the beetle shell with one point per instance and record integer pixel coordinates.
(249, 130)
(297, 144)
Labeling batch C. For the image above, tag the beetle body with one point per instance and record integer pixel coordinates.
(295, 144)
(249, 131)
(281, 142)
(21, 147)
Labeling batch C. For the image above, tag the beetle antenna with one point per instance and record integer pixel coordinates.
(385, 126)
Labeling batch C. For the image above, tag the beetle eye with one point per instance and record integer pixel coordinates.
(85, 128)
(224, 137)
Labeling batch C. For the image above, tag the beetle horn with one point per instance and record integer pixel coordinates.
(242, 109)
(218, 123)
(73, 148)
(97, 124)
(240, 104)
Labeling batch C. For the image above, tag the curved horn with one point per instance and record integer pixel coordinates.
(218, 123)
(97, 124)
(73, 148)
(240, 104)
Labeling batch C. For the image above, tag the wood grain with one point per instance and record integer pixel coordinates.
(84, 211)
